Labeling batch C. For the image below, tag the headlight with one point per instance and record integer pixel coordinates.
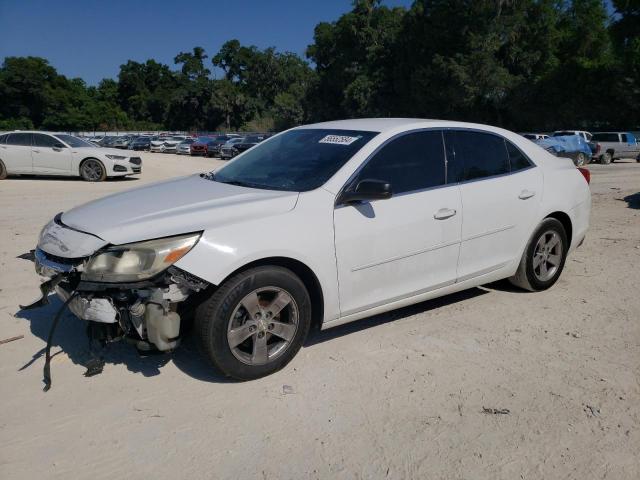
(138, 261)
(115, 157)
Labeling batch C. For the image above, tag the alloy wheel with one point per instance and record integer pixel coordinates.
(262, 325)
(92, 170)
(547, 256)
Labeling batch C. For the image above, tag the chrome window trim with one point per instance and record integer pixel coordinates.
(442, 130)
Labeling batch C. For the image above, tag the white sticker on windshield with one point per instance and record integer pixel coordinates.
(338, 139)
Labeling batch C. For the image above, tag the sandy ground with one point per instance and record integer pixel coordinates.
(399, 395)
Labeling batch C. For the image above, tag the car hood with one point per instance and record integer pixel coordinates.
(174, 207)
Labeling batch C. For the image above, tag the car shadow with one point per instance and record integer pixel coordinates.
(320, 336)
(71, 339)
(633, 201)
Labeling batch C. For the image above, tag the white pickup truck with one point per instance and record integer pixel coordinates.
(616, 145)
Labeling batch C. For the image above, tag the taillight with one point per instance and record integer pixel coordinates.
(597, 148)
(586, 174)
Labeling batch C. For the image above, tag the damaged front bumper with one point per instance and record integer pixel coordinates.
(147, 312)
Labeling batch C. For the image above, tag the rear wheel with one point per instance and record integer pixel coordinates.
(3, 171)
(581, 158)
(92, 170)
(544, 257)
(255, 322)
(605, 158)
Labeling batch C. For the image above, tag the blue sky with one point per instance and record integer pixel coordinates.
(91, 39)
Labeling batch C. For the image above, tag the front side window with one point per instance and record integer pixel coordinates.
(3, 139)
(19, 139)
(47, 141)
(297, 160)
(473, 155)
(414, 161)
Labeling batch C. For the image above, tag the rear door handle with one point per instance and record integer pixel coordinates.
(444, 213)
(524, 194)
(35, 151)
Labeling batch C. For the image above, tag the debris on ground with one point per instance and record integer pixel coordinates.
(594, 411)
(11, 339)
(287, 390)
(573, 334)
(495, 411)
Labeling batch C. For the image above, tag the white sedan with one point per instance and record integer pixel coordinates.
(322, 224)
(47, 153)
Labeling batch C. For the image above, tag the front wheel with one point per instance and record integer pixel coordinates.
(92, 170)
(581, 158)
(3, 171)
(255, 322)
(543, 258)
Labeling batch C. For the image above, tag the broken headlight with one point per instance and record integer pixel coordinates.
(133, 262)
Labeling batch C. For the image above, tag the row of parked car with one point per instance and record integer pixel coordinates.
(585, 147)
(224, 146)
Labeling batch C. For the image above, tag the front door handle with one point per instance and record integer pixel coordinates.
(524, 194)
(444, 213)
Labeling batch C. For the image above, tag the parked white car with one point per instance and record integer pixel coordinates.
(61, 154)
(157, 143)
(322, 224)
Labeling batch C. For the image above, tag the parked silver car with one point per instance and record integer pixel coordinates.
(184, 147)
(616, 145)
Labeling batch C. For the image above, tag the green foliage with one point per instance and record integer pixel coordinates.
(522, 64)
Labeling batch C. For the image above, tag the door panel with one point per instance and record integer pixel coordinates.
(405, 245)
(501, 193)
(498, 215)
(392, 249)
(16, 153)
(48, 157)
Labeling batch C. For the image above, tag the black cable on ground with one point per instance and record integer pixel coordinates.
(47, 361)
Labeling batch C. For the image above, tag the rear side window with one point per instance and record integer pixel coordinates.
(629, 138)
(40, 140)
(517, 159)
(3, 139)
(474, 155)
(411, 162)
(606, 137)
(22, 139)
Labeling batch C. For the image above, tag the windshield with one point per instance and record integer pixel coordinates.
(297, 161)
(75, 142)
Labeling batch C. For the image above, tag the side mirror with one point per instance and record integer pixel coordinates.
(366, 190)
(58, 146)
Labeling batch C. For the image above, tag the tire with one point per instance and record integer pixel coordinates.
(3, 171)
(529, 276)
(580, 159)
(605, 158)
(222, 320)
(92, 170)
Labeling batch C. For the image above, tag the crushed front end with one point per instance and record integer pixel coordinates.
(130, 292)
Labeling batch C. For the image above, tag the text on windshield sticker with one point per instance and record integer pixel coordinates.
(338, 139)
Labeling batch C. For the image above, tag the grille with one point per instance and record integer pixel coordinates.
(135, 160)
